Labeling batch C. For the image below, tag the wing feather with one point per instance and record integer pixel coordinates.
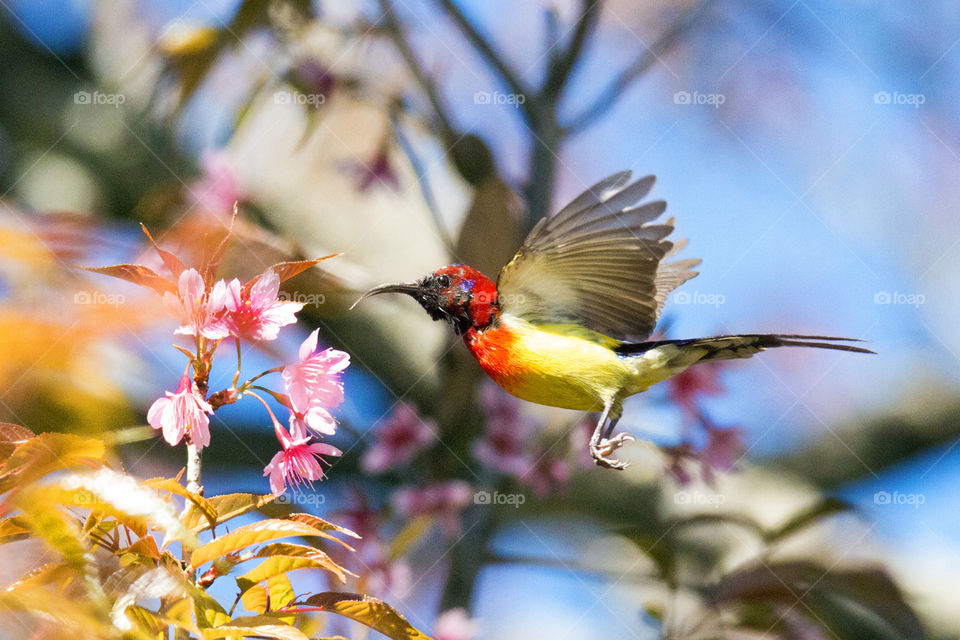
(598, 262)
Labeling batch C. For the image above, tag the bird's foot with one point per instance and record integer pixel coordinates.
(602, 452)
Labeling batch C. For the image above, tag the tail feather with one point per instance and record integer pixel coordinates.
(745, 345)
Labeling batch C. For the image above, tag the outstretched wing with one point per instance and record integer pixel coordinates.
(599, 262)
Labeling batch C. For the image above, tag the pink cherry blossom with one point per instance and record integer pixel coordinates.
(504, 447)
(443, 500)
(217, 190)
(255, 313)
(400, 438)
(381, 574)
(455, 624)
(183, 413)
(314, 387)
(298, 462)
(686, 388)
(547, 475)
(724, 447)
(199, 309)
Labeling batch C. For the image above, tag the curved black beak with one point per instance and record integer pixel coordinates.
(409, 289)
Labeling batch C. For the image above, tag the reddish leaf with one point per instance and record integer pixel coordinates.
(137, 274)
(214, 248)
(287, 270)
(172, 262)
(10, 436)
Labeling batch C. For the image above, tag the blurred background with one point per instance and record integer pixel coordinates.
(809, 149)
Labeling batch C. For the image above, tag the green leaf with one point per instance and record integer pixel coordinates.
(409, 535)
(252, 534)
(259, 626)
(227, 506)
(822, 509)
(376, 614)
(847, 602)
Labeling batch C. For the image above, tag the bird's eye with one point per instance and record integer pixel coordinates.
(443, 281)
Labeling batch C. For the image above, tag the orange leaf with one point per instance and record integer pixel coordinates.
(137, 274)
(287, 270)
(172, 262)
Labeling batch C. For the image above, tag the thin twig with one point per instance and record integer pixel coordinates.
(393, 28)
(625, 78)
(563, 65)
(486, 50)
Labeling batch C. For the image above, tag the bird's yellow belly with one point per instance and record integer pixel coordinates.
(555, 366)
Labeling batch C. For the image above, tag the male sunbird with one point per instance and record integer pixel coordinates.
(567, 321)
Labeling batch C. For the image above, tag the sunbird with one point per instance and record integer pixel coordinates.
(567, 322)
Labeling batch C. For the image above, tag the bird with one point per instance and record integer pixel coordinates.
(568, 321)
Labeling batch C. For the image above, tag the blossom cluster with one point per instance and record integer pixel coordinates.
(723, 447)
(212, 311)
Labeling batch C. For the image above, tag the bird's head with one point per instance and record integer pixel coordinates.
(459, 294)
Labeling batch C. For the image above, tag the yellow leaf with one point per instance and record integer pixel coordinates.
(169, 484)
(374, 613)
(227, 506)
(254, 533)
(260, 626)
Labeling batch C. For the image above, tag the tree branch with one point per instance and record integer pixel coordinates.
(625, 78)
(395, 31)
(564, 64)
(491, 56)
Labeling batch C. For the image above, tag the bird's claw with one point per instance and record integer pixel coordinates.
(602, 452)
